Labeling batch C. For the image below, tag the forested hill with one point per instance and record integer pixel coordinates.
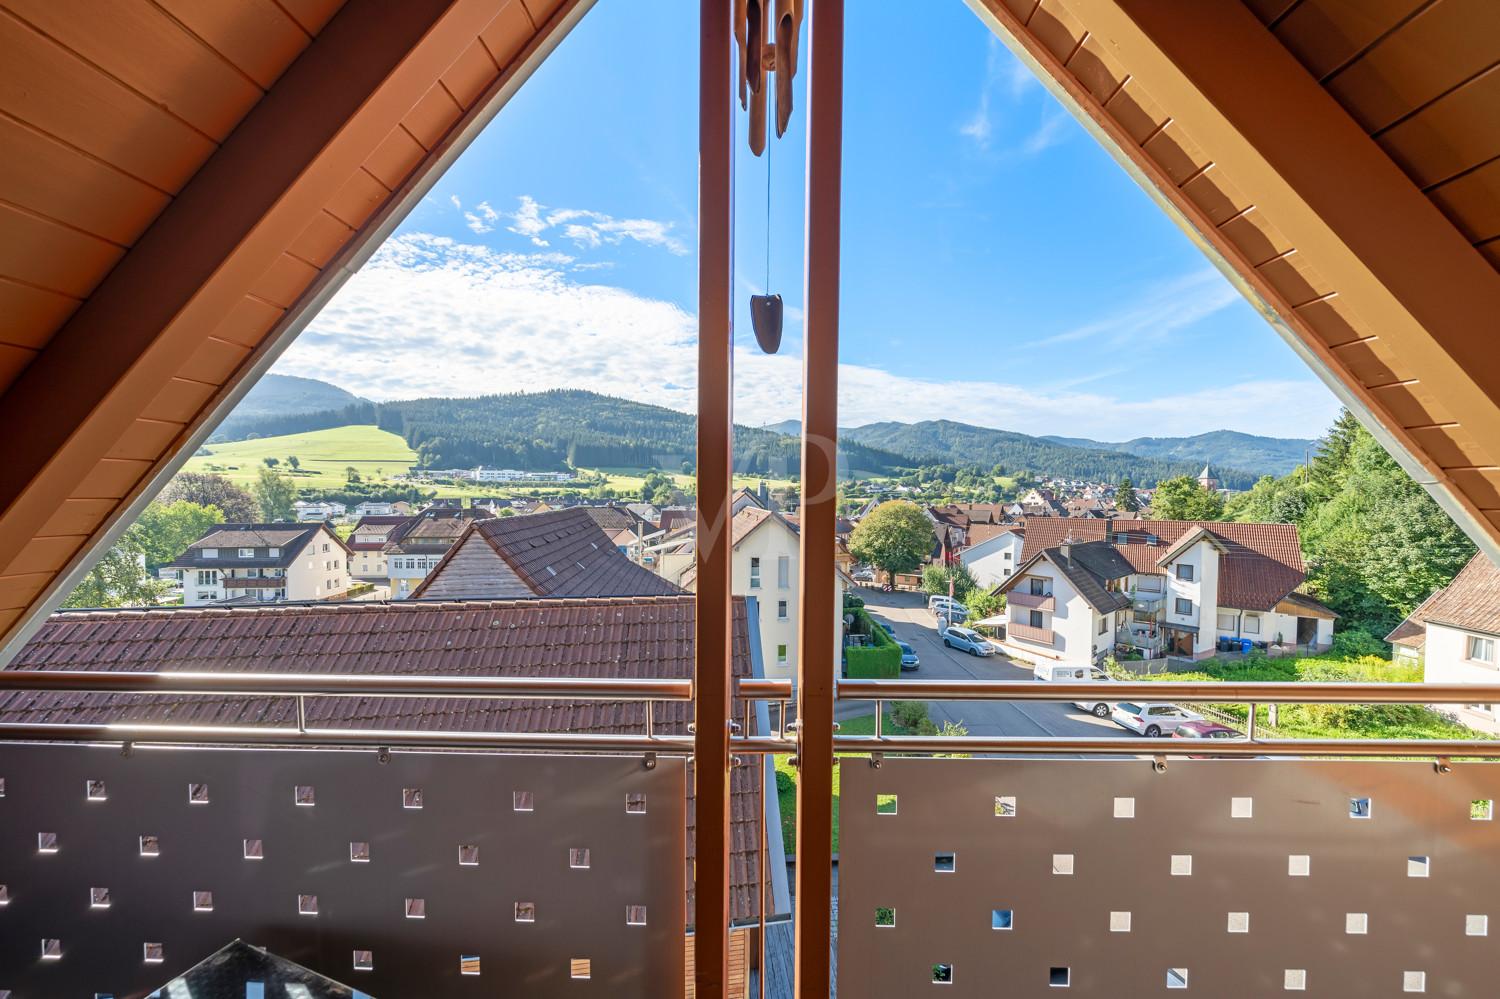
(1267, 455)
(277, 395)
(963, 444)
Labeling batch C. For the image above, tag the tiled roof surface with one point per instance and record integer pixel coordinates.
(228, 538)
(671, 520)
(1472, 600)
(983, 532)
(612, 518)
(432, 531)
(633, 637)
(1412, 632)
(564, 553)
(1083, 567)
(1261, 563)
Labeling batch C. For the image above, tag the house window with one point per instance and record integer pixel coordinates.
(781, 610)
(781, 655)
(1226, 621)
(275, 553)
(1103, 624)
(328, 583)
(1150, 539)
(335, 563)
(1142, 617)
(205, 596)
(247, 553)
(1481, 650)
(1185, 572)
(1038, 587)
(755, 574)
(1252, 624)
(325, 547)
(1184, 607)
(208, 577)
(1007, 572)
(209, 553)
(1036, 619)
(1005, 557)
(1482, 709)
(784, 572)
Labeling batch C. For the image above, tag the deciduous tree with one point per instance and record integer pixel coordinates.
(1182, 498)
(275, 494)
(895, 536)
(118, 579)
(164, 532)
(206, 489)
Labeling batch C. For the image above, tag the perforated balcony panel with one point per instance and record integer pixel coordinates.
(441, 874)
(1227, 877)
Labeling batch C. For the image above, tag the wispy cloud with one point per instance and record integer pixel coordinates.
(1053, 129)
(587, 229)
(1156, 311)
(1007, 85)
(431, 316)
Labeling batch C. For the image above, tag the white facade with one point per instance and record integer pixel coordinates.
(369, 508)
(483, 474)
(993, 559)
(319, 571)
(766, 566)
(318, 511)
(1460, 655)
(407, 571)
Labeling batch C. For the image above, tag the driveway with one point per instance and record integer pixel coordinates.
(908, 616)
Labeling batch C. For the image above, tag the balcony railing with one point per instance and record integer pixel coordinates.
(1042, 636)
(1031, 601)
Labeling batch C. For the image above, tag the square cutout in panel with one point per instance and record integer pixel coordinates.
(885, 917)
(1417, 867)
(95, 791)
(945, 863)
(1294, 979)
(416, 908)
(1298, 865)
(1482, 809)
(46, 842)
(635, 915)
(581, 967)
(520, 801)
(1124, 808)
(1239, 922)
(307, 905)
(1359, 808)
(468, 964)
(364, 960)
(1062, 863)
(2, 787)
(150, 846)
(411, 797)
(635, 804)
(154, 953)
(4, 895)
(1177, 978)
(1356, 923)
(203, 901)
(304, 795)
(1182, 864)
(1477, 926)
(525, 912)
(1119, 922)
(197, 794)
(1241, 808)
(359, 853)
(468, 856)
(1413, 981)
(1058, 978)
(51, 949)
(1005, 806)
(1001, 919)
(254, 850)
(885, 804)
(942, 974)
(578, 856)
(98, 898)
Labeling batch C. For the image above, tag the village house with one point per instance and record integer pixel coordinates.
(367, 546)
(262, 563)
(1179, 589)
(996, 553)
(1453, 636)
(308, 511)
(416, 547)
(559, 554)
(374, 508)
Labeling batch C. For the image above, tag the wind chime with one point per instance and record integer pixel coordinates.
(753, 20)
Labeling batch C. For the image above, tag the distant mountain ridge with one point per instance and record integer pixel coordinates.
(1268, 455)
(286, 395)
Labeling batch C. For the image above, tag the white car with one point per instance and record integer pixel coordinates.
(940, 603)
(1151, 719)
(1050, 673)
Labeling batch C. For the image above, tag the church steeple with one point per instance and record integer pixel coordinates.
(1207, 479)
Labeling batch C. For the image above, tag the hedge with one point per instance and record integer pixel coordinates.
(880, 661)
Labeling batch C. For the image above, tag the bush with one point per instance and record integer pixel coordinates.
(784, 782)
(851, 601)
(1355, 643)
(910, 715)
(881, 660)
(935, 580)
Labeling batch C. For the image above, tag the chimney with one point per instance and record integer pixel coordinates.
(1066, 547)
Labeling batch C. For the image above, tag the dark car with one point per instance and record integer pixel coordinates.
(1205, 730)
(909, 658)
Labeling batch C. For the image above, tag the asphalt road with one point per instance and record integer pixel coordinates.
(913, 624)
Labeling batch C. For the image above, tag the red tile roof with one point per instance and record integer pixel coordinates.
(634, 637)
(1412, 632)
(1261, 563)
(1472, 600)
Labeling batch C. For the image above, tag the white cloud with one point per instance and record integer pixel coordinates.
(1008, 78)
(431, 316)
(485, 219)
(1053, 130)
(1159, 309)
(590, 229)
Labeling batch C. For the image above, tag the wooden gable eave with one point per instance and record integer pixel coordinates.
(297, 195)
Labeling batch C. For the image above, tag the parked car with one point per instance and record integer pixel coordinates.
(909, 658)
(945, 606)
(1053, 673)
(883, 627)
(1205, 730)
(968, 641)
(1152, 719)
(864, 575)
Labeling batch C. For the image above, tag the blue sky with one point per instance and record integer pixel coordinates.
(999, 267)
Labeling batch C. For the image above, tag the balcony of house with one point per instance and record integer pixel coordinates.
(1032, 601)
(1138, 638)
(1025, 632)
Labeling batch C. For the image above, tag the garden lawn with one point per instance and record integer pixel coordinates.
(863, 725)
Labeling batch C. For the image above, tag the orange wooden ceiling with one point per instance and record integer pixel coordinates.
(183, 184)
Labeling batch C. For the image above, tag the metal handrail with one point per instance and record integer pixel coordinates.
(1131, 747)
(343, 685)
(1231, 693)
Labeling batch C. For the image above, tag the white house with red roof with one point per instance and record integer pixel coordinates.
(1180, 589)
(1454, 636)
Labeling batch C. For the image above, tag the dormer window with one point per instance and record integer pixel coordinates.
(1150, 539)
(209, 553)
(247, 553)
(275, 553)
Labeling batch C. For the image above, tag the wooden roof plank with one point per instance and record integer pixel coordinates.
(31, 313)
(51, 255)
(1324, 34)
(256, 36)
(1450, 135)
